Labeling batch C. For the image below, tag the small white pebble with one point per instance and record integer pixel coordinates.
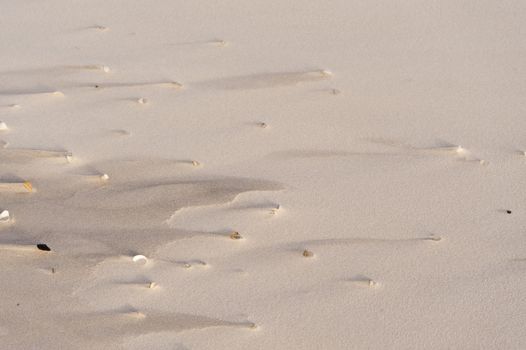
(142, 101)
(460, 150)
(3, 126)
(106, 69)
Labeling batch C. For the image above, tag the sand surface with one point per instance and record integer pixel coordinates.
(262, 174)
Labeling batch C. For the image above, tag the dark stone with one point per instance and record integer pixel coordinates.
(44, 247)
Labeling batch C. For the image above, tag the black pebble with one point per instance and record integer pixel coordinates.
(43, 247)
(508, 211)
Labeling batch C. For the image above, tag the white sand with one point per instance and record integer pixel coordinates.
(326, 133)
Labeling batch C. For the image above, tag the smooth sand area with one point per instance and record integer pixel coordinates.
(250, 174)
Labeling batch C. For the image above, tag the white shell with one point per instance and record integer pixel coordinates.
(3, 126)
(140, 259)
(4, 216)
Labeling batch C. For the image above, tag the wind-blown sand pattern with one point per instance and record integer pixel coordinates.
(268, 80)
(262, 175)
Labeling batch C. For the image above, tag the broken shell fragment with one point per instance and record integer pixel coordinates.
(275, 210)
(3, 126)
(235, 235)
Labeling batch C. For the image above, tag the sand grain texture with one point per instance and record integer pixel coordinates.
(262, 174)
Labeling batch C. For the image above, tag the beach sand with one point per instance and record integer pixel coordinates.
(262, 174)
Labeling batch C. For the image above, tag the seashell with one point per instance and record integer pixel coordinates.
(140, 259)
(4, 216)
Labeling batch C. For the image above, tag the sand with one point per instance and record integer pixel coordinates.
(262, 174)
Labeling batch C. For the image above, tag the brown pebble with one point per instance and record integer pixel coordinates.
(308, 253)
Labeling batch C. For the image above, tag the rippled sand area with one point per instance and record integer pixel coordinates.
(262, 174)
